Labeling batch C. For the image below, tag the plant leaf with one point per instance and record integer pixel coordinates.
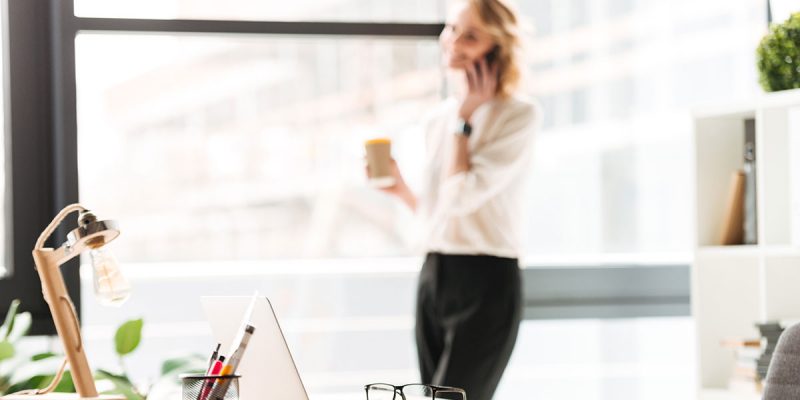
(128, 336)
(42, 380)
(106, 374)
(42, 356)
(21, 326)
(173, 364)
(4, 384)
(66, 384)
(122, 385)
(6, 350)
(34, 382)
(194, 363)
(8, 324)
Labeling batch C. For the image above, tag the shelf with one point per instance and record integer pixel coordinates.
(733, 287)
(737, 250)
(724, 394)
(781, 251)
(781, 99)
(773, 251)
(732, 111)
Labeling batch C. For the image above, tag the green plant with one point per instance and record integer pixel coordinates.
(15, 326)
(778, 56)
(126, 340)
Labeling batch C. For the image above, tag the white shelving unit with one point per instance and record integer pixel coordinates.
(735, 286)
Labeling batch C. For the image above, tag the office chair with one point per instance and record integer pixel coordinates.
(783, 377)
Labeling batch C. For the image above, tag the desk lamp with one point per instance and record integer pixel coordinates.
(110, 287)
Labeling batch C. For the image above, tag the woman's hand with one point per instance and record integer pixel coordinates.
(399, 189)
(482, 87)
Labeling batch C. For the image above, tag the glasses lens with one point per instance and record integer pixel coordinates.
(448, 396)
(380, 392)
(418, 392)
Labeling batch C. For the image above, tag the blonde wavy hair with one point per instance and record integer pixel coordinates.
(505, 28)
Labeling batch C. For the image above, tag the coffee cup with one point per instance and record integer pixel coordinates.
(379, 162)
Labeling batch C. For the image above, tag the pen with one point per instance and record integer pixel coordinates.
(221, 386)
(208, 382)
(214, 356)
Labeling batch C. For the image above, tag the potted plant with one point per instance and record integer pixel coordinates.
(126, 340)
(778, 56)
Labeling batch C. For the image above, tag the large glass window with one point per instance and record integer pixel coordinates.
(219, 152)
(617, 82)
(248, 147)
(215, 150)
(269, 10)
(213, 124)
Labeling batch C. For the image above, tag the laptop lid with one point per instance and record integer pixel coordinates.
(267, 369)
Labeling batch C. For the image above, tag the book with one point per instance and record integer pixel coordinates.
(750, 222)
(770, 332)
(733, 221)
(736, 343)
(747, 353)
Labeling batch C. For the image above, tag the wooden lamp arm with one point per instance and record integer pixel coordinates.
(48, 262)
(55, 222)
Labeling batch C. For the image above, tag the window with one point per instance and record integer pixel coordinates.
(209, 127)
(213, 127)
(184, 138)
(617, 82)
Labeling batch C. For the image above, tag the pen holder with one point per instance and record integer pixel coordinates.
(199, 387)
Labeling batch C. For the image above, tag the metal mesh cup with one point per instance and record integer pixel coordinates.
(199, 387)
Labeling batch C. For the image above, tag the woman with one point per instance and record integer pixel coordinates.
(479, 144)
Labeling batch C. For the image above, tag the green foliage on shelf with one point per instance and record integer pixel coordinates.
(778, 56)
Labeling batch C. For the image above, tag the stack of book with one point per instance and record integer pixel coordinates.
(745, 376)
(752, 358)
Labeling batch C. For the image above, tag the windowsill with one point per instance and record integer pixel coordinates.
(372, 265)
(607, 260)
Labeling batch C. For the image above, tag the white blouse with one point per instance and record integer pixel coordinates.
(480, 211)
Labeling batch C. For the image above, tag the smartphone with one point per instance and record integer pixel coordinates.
(490, 56)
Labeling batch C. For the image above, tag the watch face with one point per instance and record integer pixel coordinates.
(464, 127)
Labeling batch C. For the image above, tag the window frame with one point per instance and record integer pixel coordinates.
(40, 147)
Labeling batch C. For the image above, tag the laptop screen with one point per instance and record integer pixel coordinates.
(267, 369)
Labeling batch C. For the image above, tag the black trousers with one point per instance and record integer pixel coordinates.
(469, 310)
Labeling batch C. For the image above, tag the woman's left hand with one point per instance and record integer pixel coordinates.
(482, 87)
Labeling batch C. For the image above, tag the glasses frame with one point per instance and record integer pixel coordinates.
(434, 389)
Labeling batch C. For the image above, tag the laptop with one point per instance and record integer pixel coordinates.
(267, 369)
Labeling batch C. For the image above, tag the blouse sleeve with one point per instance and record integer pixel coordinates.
(493, 166)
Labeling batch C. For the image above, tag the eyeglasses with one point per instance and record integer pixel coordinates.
(413, 391)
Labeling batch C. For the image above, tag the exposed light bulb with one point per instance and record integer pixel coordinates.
(110, 286)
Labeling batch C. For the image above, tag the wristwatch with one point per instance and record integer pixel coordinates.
(463, 127)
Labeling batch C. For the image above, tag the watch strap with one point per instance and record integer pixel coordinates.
(463, 127)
